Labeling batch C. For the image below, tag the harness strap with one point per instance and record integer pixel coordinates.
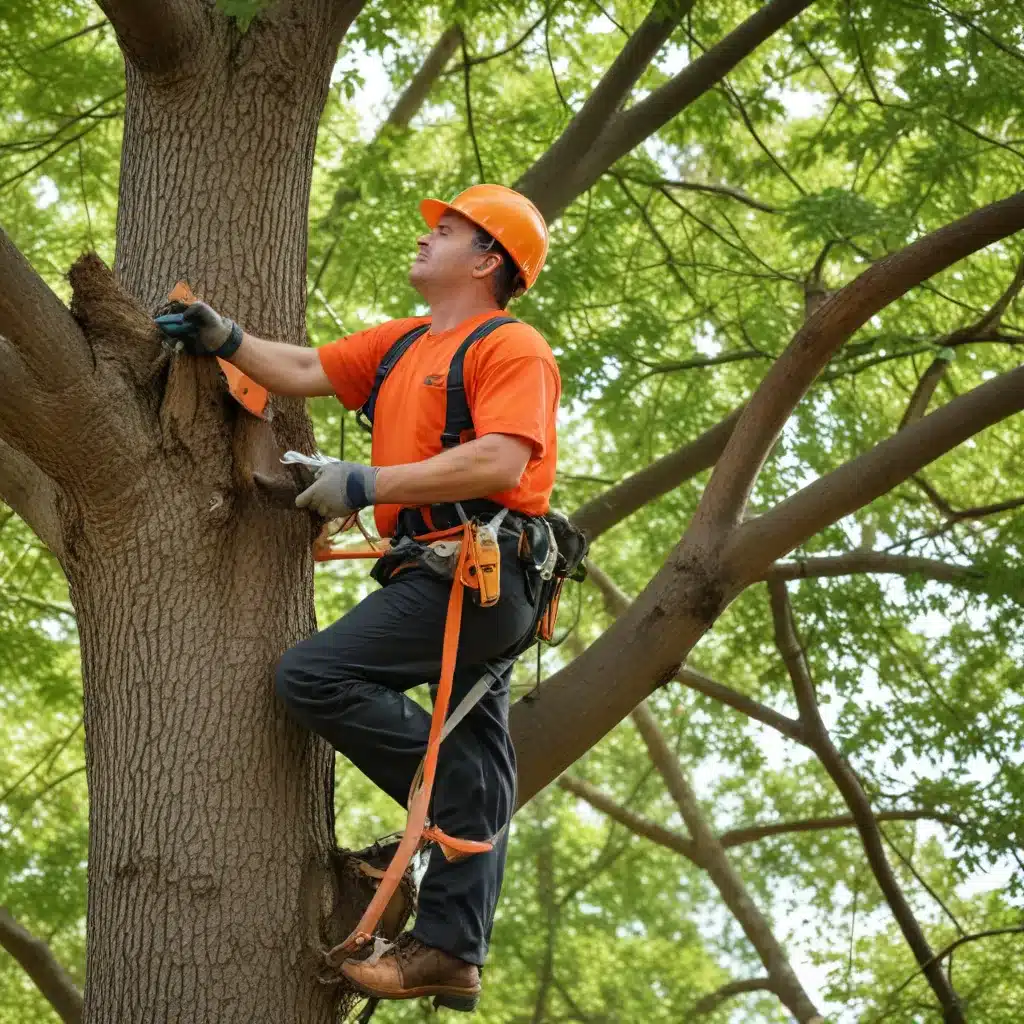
(458, 419)
(387, 364)
(467, 573)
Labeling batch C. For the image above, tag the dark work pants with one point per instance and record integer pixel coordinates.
(346, 683)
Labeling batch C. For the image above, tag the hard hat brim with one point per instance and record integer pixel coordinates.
(432, 210)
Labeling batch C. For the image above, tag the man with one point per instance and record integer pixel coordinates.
(347, 682)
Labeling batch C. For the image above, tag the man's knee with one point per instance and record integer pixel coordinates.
(288, 676)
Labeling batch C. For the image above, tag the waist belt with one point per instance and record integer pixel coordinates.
(414, 522)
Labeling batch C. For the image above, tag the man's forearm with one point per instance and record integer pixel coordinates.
(281, 368)
(487, 465)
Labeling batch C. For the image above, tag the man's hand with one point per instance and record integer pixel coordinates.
(202, 331)
(340, 489)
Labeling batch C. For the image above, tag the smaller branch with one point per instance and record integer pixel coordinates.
(994, 316)
(857, 483)
(849, 786)
(752, 833)
(918, 404)
(636, 823)
(39, 963)
(955, 945)
(469, 111)
(702, 186)
(94, 27)
(879, 562)
(156, 35)
(709, 1003)
(416, 92)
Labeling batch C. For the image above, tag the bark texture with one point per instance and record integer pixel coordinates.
(210, 835)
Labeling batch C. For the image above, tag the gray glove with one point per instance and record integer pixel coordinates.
(202, 331)
(339, 489)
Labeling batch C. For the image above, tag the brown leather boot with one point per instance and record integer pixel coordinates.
(411, 969)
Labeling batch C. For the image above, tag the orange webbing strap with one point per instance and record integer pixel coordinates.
(419, 799)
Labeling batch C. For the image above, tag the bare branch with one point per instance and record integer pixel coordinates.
(416, 92)
(32, 494)
(1016, 929)
(725, 878)
(814, 344)
(622, 500)
(156, 35)
(544, 181)
(918, 404)
(703, 186)
(42, 967)
(636, 823)
(711, 1002)
(752, 833)
(860, 481)
(879, 562)
(856, 799)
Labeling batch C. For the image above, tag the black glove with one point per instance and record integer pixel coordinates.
(202, 331)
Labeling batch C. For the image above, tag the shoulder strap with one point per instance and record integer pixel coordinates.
(365, 414)
(458, 418)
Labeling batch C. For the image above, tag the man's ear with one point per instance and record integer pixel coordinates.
(488, 264)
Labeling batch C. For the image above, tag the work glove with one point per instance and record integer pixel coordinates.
(202, 331)
(339, 489)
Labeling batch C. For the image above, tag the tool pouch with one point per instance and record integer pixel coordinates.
(555, 549)
(482, 562)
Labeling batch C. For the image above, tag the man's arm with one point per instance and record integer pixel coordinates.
(281, 368)
(486, 465)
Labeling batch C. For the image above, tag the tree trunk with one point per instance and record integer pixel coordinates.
(209, 813)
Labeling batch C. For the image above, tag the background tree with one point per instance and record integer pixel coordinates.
(734, 189)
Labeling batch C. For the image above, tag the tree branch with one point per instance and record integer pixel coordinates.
(25, 488)
(711, 1002)
(39, 963)
(665, 474)
(156, 35)
(860, 481)
(856, 799)
(814, 344)
(637, 824)
(880, 562)
(725, 878)
(38, 325)
(752, 833)
(543, 182)
(415, 94)
(918, 404)
(703, 186)
(617, 603)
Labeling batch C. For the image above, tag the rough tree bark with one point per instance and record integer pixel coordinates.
(209, 814)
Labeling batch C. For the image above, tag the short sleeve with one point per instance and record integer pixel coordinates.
(515, 391)
(351, 362)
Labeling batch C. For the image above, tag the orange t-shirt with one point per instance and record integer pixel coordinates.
(512, 387)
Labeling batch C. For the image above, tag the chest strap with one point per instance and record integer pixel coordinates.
(458, 419)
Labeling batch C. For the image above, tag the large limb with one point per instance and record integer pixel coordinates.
(156, 35)
(852, 791)
(589, 153)
(39, 963)
(624, 498)
(32, 495)
(757, 543)
(725, 498)
(545, 181)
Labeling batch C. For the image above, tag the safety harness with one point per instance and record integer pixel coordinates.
(468, 554)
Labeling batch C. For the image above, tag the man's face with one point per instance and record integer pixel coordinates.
(446, 257)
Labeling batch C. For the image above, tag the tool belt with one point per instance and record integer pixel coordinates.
(549, 547)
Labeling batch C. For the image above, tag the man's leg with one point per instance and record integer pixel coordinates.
(345, 683)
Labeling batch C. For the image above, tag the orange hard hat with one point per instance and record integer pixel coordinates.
(505, 215)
